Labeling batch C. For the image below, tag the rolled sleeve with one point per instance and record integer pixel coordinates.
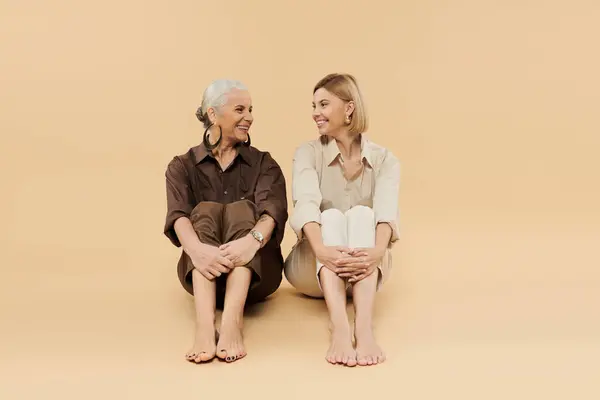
(180, 198)
(385, 197)
(306, 194)
(270, 195)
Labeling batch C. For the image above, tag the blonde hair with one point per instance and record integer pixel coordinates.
(346, 88)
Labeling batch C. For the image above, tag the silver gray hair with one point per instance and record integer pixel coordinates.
(215, 96)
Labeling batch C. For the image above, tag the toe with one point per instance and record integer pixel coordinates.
(369, 360)
(205, 357)
(362, 360)
(351, 362)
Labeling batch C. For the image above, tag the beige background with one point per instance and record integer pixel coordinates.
(491, 106)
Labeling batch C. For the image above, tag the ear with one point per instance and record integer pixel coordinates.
(349, 107)
(212, 115)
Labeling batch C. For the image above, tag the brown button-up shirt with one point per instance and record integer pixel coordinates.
(253, 175)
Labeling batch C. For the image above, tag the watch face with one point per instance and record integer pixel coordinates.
(257, 236)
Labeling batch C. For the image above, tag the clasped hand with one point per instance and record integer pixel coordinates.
(351, 264)
(212, 261)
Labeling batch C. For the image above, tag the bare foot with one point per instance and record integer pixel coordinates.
(368, 351)
(204, 348)
(231, 342)
(341, 350)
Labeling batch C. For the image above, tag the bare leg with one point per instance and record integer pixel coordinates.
(363, 293)
(361, 233)
(231, 343)
(340, 350)
(204, 347)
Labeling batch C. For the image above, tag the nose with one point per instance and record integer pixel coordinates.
(248, 116)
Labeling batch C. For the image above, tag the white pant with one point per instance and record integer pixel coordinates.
(355, 228)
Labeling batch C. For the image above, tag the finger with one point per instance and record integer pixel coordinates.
(221, 268)
(359, 277)
(344, 249)
(215, 272)
(351, 270)
(224, 246)
(226, 262)
(207, 275)
(350, 261)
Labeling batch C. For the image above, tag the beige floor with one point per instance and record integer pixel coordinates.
(469, 313)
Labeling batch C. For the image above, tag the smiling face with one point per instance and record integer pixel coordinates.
(235, 116)
(329, 113)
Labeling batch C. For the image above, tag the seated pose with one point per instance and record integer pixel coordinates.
(227, 209)
(345, 193)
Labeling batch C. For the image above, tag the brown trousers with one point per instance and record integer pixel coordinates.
(217, 224)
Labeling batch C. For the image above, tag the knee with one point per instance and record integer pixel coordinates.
(206, 208)
(361, 213)
(332, 216)
(242, 209)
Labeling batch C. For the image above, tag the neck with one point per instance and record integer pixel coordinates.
(225, 147)
(348, 145)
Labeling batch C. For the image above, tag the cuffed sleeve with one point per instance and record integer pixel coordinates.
(180, 198)
(270, 195)
(306, 194)
(385, 197)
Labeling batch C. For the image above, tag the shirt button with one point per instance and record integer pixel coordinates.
(225, 192)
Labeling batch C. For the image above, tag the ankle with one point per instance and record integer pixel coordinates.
(341, 327)
(232, 320)
(363, 326)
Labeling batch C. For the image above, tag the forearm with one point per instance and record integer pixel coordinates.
(312, 232)
(265, 225)
(187, 235)
(383, 234)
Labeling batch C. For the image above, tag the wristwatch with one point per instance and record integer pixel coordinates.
(258, 236)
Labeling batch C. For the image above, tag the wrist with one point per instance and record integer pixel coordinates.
(253, 242)
(195, 251)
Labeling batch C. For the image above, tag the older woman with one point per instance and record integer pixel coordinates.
(227, 209)
(345, 193)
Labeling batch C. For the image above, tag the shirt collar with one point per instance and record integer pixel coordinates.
(200, 153)
(332, 151)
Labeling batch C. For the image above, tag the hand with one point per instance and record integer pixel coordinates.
(329, 255)
(240, 251)
(359, 264)
(209, 262)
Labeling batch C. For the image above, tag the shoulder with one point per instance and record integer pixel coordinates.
(379, 151)
(178, 162)
(308, 149)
